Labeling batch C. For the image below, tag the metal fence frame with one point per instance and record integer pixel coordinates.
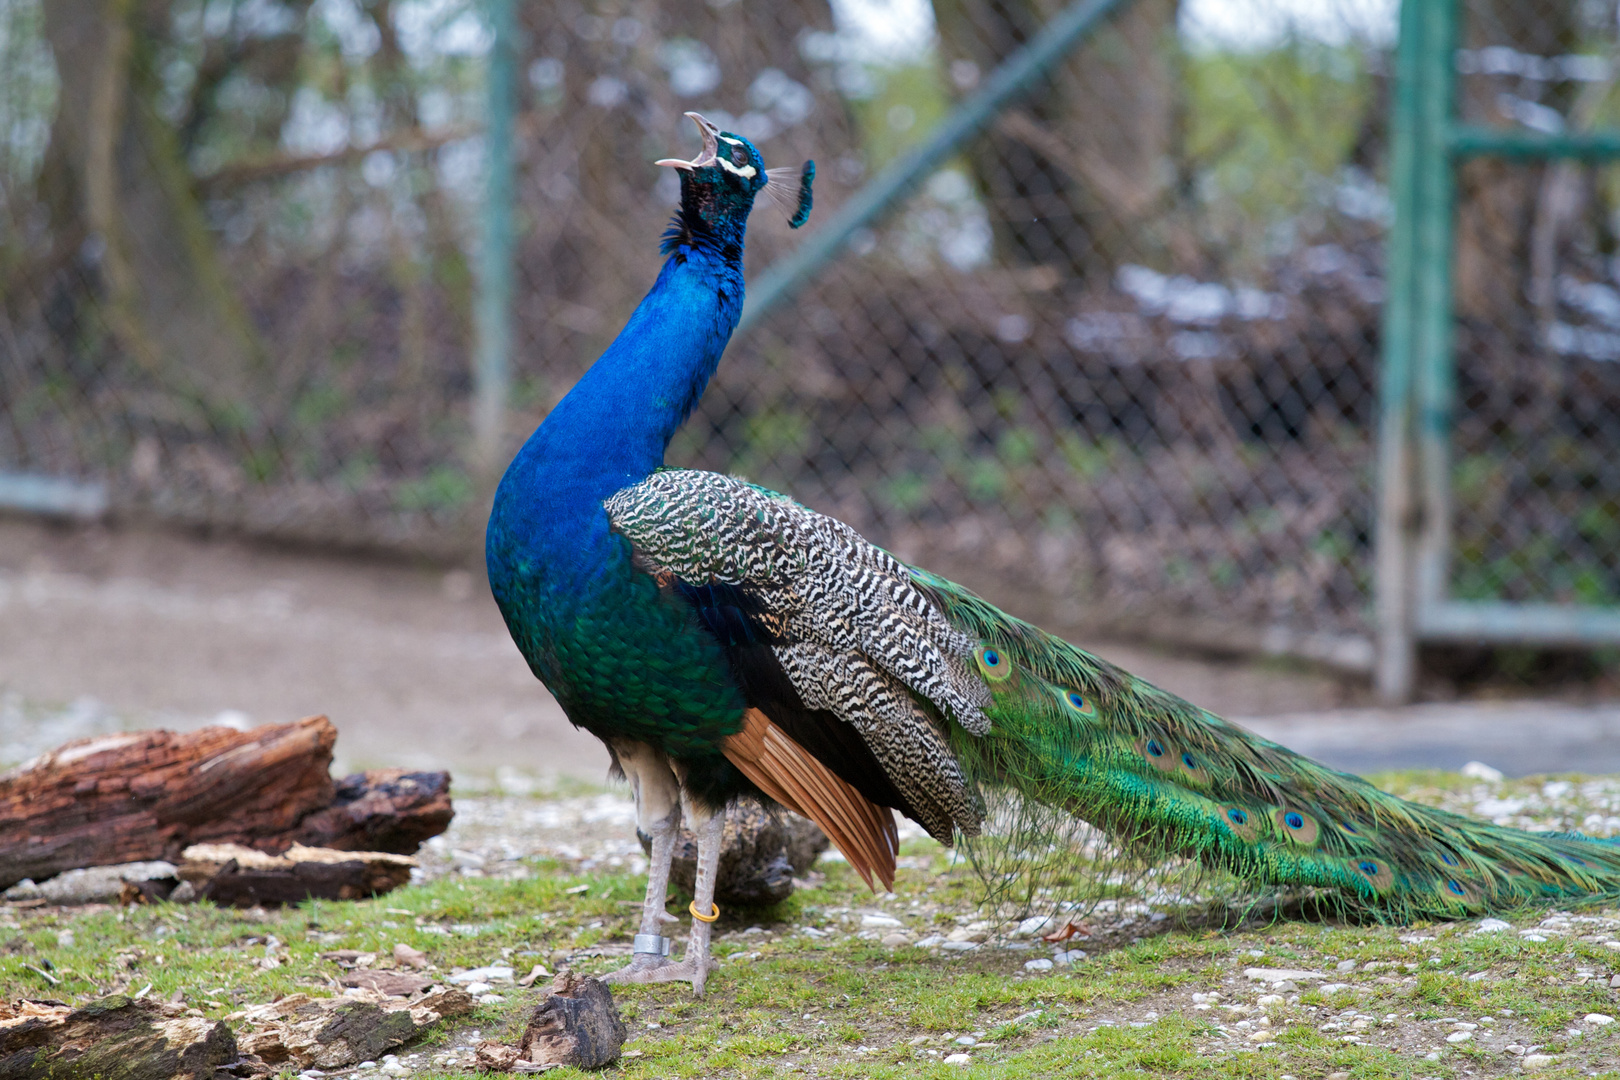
(1417, 404)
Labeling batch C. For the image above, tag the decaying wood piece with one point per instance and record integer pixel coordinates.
(330, 1033)
(234, 875)
(115, 1036)
(577, 1024)
(151, 794)
(762, 852)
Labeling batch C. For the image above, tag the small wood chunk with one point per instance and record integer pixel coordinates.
(391, 983)
(577, 1024)
(409, 957)
(112, 1036)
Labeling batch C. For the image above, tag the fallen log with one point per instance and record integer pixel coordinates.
(149, 795)
(331, 1033)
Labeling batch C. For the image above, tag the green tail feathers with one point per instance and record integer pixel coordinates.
(1164, 778)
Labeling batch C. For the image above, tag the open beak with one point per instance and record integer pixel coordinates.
(706, 155)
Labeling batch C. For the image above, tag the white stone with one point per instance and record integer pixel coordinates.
(958, 946)
(973, 934)
(1268, 1000)
(1037, 965)
(1599, 1019)
(932, 941)
(1345, 965)
(492, 974)
(1263, 1035)
(478, 988)
(1492, 926)
(1478, 770)
(958, 1059)
(1334, 988)
(490, 999)
(1275, 975)
(965, 1040)
(1459, 1036)
(895, 941)
(1533, 1062)
(1066, 957)
(874, 922)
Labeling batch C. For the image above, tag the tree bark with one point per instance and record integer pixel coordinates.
(150, 795)
(1074, 174)
(115, 172)
(1496, 199)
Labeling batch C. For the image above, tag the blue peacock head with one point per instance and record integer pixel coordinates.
(719, 185)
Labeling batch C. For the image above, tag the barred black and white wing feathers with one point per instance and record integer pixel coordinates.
(823, 629)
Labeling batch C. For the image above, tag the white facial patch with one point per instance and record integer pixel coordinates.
(745, 171)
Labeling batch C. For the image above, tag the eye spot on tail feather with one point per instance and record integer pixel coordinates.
(1379, 875)
(1241, 822)
(993, 663)
(1297, 825)
(1158, 754)
(1076, 702)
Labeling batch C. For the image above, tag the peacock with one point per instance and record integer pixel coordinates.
(724, 641)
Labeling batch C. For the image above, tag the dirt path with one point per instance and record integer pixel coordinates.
(101, 629)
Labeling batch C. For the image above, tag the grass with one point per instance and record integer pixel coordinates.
(1156, 997)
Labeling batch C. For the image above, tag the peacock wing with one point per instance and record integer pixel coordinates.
(828, 634)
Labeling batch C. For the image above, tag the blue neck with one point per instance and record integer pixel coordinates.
(612, 429)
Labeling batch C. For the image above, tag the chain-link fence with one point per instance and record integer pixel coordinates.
(1536, 470)
(1117, 358)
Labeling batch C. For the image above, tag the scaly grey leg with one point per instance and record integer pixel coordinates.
(709, 838)
(658, 814)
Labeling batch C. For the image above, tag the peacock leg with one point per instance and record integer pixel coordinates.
(710, 837)
(658, 814)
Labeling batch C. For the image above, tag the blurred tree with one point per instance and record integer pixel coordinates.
(1073, 173)
(1496, 198)
(116, 175)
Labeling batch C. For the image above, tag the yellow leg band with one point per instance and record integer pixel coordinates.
(714, 911)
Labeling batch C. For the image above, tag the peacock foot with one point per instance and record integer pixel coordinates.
(647, 968)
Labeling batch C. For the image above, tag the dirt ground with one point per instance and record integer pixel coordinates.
(103, 629)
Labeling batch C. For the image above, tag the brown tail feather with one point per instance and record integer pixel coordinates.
(791, 775)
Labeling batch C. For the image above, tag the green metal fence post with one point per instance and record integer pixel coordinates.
(1433, 360)
(492, 309)
(1396, 663)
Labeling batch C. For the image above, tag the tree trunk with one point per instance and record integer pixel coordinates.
(114, 172)
(1073, 173)
(1496, 199)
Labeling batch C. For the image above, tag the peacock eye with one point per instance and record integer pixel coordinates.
(739, 156)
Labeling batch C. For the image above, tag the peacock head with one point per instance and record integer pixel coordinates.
(719, 185)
